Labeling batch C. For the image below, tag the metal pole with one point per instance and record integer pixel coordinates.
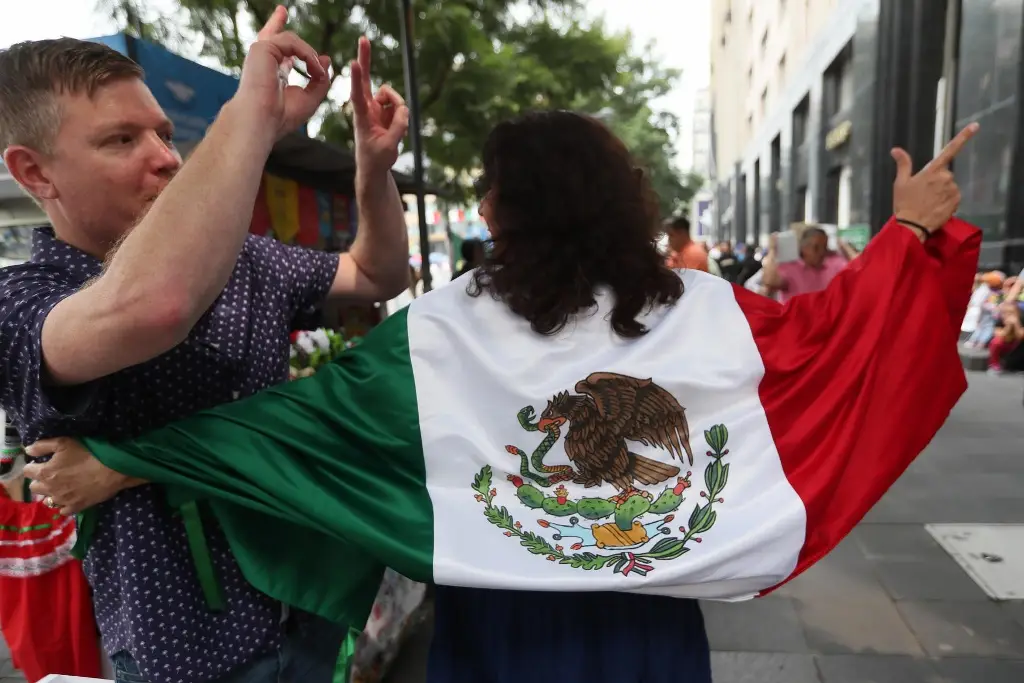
(412, 97)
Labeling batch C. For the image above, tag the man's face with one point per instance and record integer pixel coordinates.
(814, 249)
(112, 157)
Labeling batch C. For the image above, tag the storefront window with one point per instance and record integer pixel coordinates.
(838, 91)
(800, 204)
(862, 113)
(800, 121)
(987, 92)
(832, 183)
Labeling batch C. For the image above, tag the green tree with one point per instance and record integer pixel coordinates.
(650, 136)
(133, 17)
(479, 62)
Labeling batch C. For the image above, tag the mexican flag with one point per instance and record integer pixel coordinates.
(716, 457)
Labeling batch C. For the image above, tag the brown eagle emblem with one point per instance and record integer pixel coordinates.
(610, 411)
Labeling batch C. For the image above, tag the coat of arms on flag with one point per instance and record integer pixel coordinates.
(630, 530)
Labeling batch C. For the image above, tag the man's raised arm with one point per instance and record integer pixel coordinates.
(177, 260)
(376, 268)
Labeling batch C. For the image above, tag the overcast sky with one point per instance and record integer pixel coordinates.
(679, 28)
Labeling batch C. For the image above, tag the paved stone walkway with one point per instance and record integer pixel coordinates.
(888, 605)
(7, 672)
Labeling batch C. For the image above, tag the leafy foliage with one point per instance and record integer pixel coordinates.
(133, 17)
(650, 135)
(479, 62)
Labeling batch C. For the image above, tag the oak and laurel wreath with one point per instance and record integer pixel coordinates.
(703, 517)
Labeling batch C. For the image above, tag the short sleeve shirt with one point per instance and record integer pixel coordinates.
(147, 597)
(801, 278)
(692, 257)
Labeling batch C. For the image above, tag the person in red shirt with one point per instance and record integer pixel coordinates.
(683, 251)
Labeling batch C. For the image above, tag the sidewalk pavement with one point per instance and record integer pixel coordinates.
(7, 672)
(888, 605)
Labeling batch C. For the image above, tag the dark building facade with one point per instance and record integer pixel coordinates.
(885, 73)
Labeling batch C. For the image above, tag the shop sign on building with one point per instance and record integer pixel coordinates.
(856, 236)
(838, 136)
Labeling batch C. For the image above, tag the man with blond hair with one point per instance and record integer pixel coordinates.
(146, 300)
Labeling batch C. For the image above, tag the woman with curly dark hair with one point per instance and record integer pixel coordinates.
(573, 215)
(601, 516)
(573, 221)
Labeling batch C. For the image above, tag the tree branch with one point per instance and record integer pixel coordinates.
(258, 11)
(236, 41)
(437, 87)
(329, 29)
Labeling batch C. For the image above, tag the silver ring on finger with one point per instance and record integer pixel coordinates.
(49, 502)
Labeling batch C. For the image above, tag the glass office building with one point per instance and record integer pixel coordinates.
(883, 73)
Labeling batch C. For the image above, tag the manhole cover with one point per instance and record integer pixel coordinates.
(992, 554)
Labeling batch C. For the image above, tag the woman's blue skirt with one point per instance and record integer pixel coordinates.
(491, 636)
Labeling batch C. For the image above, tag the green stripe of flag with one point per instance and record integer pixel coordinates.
(307, 476)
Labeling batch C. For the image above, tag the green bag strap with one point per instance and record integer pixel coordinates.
(201, 555)
(346, 656)
(86, 521)
(189, 510)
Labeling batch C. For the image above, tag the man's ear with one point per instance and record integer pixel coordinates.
(25, 166)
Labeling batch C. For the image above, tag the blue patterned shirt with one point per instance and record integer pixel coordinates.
(148, 599)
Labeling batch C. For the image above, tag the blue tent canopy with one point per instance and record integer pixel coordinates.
(191, 94)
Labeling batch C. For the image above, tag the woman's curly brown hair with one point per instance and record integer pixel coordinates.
(571, 213)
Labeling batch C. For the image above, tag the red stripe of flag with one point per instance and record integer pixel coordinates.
(859, 378)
